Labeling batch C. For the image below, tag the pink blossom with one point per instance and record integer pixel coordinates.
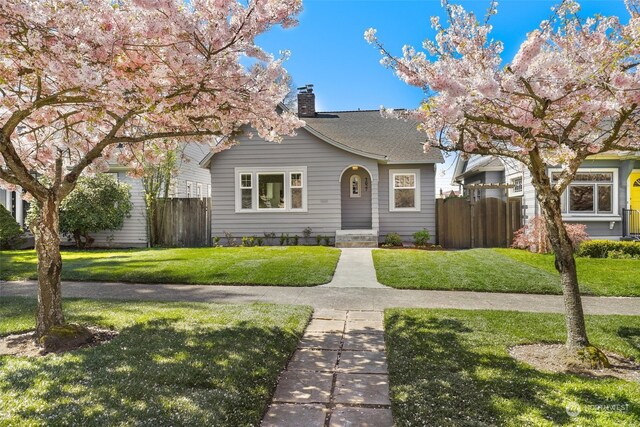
(137, 71)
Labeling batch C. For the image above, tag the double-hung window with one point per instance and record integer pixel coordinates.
(517, 185)
(271, 189)
(296, 190)
(404, 190)
(592, 192)
(246, 191)
(189, 189)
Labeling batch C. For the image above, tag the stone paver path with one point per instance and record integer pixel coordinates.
(337, 376)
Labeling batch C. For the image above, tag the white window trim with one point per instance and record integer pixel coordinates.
(239, 189)
(199, 190)
(604, 216)
(351, 193)
(512, 191)
(189, 189)
(302, 186)
(255, 172)
(418, 194)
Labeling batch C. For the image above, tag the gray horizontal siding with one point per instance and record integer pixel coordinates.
(134, 231)
(325, 164)
(189, 170)
(407, 223)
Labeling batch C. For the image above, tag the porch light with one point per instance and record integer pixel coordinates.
(355, 168)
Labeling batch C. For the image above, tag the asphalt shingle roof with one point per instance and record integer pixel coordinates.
(369, 132)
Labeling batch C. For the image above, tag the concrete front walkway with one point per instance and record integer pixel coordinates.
(321, 297)
(355, 270)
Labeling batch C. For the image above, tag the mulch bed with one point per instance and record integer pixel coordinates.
(24, 344)
(550, 358)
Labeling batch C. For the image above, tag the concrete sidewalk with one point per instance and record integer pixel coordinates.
(355, 270)
(321, 297)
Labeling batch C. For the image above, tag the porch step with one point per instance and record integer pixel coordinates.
(356, 238)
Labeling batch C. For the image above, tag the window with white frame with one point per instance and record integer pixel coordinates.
(271, 189)
(189, 189)
(296, 190)
(592, 192)
(517, 186)
(199, 191)
(354, 185)
(246, 191)
(404, 190)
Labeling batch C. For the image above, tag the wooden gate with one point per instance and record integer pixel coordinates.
(487, 223)
(184, 223)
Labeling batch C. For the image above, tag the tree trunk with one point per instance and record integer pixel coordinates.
(566, 265)
(47, 237)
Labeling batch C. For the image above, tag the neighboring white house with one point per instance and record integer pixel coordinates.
(190, 180)
(12, 201)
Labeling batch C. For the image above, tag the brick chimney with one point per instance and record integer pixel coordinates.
(306, 101)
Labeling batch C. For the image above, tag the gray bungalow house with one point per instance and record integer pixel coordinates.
(605, 196)
(350, 175)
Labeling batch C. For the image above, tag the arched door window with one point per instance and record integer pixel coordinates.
(354, 185)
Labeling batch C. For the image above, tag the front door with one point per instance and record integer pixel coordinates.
(634, 203)
(356, 199)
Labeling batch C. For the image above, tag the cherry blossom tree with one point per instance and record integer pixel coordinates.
(85, 83)
(571, 91)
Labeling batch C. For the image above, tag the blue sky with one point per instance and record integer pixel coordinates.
(328, 49)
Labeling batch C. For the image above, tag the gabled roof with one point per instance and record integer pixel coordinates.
(371, 135)
(475, 163)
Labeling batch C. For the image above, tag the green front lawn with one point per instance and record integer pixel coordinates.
(451, 368)
(171, 364)
(281, 266)
(501, 270)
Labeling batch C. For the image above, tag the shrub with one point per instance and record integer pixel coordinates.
(326, 240)
(533, 236)
(392, 239)
(260, 241)
(421, 238)
(284, 239)
(617, 254)
(603, 249)
(230, 240)
(318, 239)
(97, 203)
(296, 240)
(216, 241)
(269, 236)
(248, 241)
(10, 231)
(306, 233)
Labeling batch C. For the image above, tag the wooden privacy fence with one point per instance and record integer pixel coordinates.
(487, 223)
(183, 222)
